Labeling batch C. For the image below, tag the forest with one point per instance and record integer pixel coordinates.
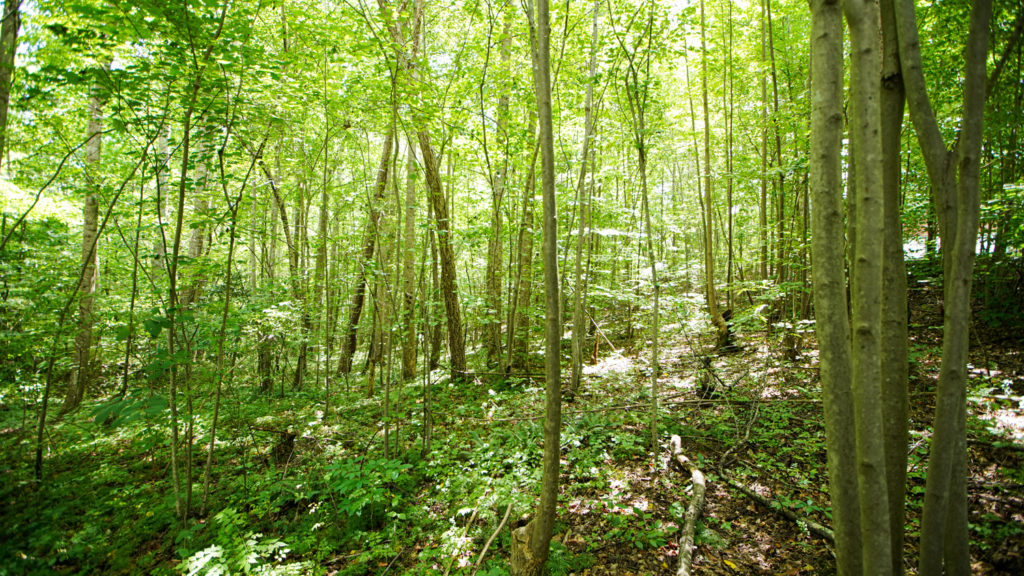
(500, 287)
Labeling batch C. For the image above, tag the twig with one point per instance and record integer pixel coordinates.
(501, 525)
(597, 327)
(693, 511)
(699, 402)
(390, 564)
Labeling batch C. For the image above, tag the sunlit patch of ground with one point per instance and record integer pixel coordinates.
(615, 364)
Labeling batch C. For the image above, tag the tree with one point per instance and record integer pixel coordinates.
(722, 329)
(530, 543)
(867, 365)
(578, 330)
(953, 172)
(78, 380)
(8, 48)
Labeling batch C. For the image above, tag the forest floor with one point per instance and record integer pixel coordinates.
(297, 489)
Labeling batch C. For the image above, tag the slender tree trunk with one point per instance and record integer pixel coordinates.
(320, 282)
(578, 330)
(355, 311)
(433, 326)
(163, 167)
(181, 507)
(522, 294)
(763, 206)
(955, 182)
(81, 368)
(409, 270)
(130, 340)
(200, 206)
(530, 543)
(722, 329)
(652, 262)
(225, 312)
(495, 241)
(294, 272)
(728, 157)
(780, 264)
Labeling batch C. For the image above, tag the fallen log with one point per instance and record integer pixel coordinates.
(693, 511)
(812, 526)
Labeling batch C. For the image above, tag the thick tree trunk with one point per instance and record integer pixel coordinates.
(449, 285)
(830, 301)
(8, 48)
(895, 371)
(866, 286)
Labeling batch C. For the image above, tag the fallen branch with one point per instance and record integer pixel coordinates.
(693, 511)
(501, 525)
(703, 402)
(812, 526)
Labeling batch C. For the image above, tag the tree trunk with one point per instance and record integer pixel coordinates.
(780, 264)
(8, 48)
(355, 311)
(895, 371)
(409, 270)
(578, 330)
(495, 241)
(722, 330)
(532, 551)
(727, 97)
(80, 375)
(866, 285)
(830, 301)
(294, 273)
(955, 182)
(763, 206)
(449, 286)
